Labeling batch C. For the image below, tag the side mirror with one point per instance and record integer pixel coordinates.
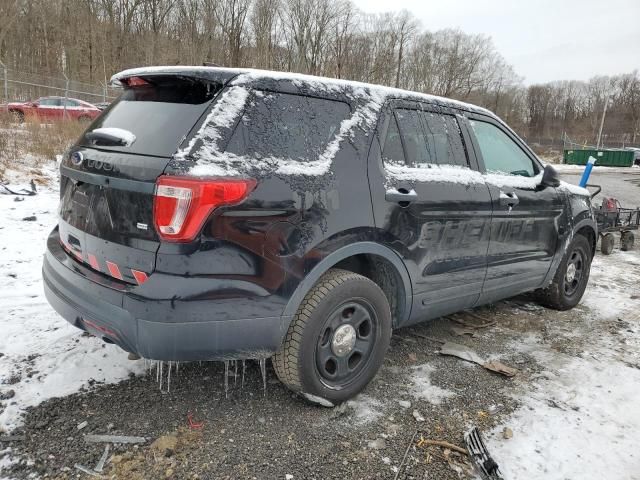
(550, 177)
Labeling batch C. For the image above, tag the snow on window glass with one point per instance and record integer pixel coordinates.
(444, 141)
(287, 126)
(393, 152)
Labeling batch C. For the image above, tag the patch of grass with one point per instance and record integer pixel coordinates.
(48, 140)
(33, 142)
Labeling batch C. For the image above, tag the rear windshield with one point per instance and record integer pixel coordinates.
(281, 125)
(159, 114)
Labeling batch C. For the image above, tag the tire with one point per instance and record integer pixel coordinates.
(569, 283)
(315, 359)
(17, 115)
(607, 242)
(627, 239)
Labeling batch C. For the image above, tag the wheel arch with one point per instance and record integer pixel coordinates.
(589, 229)
(387, 258)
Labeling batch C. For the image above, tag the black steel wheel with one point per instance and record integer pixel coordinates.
(571, 277)
(573, 272)
(346, 342)
(607, 241)
(337, 340)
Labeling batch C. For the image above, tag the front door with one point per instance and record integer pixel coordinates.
(432, 205)
(526, 220)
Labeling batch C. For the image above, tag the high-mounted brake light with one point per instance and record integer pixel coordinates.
(182, 205)
(135, 82)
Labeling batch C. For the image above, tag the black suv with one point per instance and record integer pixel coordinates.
(216, 214)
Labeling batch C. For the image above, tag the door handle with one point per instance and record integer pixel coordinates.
(400, 195)
(508, 199)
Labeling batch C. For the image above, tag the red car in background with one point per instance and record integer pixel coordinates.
(54, 108)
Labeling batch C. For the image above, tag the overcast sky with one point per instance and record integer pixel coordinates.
(544, 40)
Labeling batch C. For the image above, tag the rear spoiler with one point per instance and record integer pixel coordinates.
(210, 74)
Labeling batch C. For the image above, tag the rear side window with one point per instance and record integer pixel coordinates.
(429, 139)
(393, 152)
(500, 153)
(160, 114)
(444, 140)
(280, 125)
(413, 137)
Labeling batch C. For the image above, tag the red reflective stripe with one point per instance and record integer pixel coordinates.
(93, 261)
(114, 270)
(100, 328)
(140, 277)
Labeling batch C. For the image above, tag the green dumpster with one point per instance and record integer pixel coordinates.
(604, 157)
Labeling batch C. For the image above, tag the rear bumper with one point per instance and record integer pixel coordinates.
(159, 329)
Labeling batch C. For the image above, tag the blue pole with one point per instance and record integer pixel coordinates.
(587, 172)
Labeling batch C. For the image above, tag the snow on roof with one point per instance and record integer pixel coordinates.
(356, 89)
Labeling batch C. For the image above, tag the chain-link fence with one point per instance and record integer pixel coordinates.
(16, 85)
(612, 140)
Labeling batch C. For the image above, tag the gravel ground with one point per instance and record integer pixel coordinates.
(253, 433)
(256, 434)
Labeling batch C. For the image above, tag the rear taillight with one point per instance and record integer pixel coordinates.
(182, 205)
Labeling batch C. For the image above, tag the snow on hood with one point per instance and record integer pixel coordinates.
(575, 189)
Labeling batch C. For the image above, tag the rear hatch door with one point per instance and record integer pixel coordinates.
(108, 178)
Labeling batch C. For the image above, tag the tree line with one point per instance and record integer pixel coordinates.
(89, 40)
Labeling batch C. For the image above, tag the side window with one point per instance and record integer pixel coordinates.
(70, 103)
(280, 125)
(393, 152)
(415, 144)
(444, 140)
(49, 102)
(500, 153)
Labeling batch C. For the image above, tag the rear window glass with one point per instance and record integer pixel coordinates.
(280, 125)
(160, 115)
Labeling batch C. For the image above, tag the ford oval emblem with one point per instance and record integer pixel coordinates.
(77, 158)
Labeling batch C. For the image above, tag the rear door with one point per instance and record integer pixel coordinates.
(107, 188)
(432, 204)
(526, 218)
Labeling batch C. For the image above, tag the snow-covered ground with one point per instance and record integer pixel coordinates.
(580, 418)
(41, 356)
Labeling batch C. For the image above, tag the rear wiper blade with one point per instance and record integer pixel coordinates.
(111, 136)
